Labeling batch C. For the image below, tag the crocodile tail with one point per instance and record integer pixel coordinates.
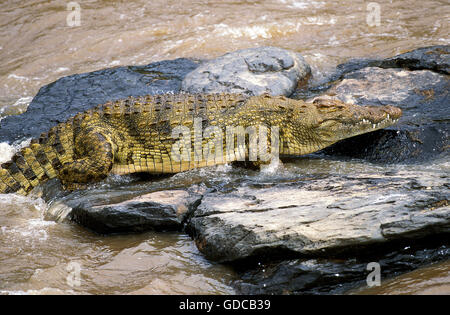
(38, 162)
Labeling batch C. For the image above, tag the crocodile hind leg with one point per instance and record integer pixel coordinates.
(94, 158)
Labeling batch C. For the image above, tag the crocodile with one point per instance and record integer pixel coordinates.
(137, 135)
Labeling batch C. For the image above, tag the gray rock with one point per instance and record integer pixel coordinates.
(422, 94)
(64, 98)
(251, 71)
(327, 216)
(162, 210)
(435, 58)
(422, 132)
(334, 276)
(112, 210)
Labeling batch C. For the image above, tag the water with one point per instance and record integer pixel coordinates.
(37, 47)
(434, 279)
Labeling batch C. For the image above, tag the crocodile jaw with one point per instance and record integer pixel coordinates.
(351, 120)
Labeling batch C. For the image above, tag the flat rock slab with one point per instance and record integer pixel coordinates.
(326, 216)
(117, 210)
(162, 210)
(251, 71)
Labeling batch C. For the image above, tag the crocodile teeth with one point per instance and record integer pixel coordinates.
(373, 126)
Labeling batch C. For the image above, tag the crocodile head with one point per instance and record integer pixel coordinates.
(335, 120)
(317, 125)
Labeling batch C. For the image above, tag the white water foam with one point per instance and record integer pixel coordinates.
(296, 4)
(18, 77)
(7, 150)
(62, 69)
(23, 101)
(269, 30)
(272, 168)
(28, 225)
(253, 32)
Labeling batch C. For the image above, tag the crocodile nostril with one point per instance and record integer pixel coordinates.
(393, 112)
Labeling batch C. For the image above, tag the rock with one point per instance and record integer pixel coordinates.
(420, 92)
(435, 58)
(162, 210)
(328, 216)
(334, 276)
(251, 71)
(422, 132)
(332, 223)
(64, 98)
(108, 210)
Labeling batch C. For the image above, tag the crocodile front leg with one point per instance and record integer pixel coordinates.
(94, 158)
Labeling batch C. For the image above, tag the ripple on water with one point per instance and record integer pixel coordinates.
(39, 257)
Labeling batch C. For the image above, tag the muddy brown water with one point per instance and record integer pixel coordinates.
(430, 280)
(37, 46)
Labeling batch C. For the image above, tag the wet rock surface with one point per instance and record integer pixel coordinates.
(162, 210)
(251, 71)
(334, 276)
(423, 130)
(118, 210)
(435, 58)
(64, 98)
(418, 83)
(327, 216)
